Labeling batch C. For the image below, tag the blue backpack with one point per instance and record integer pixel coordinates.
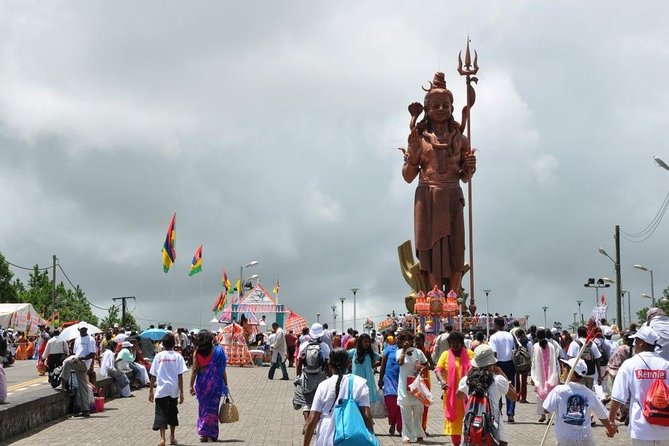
(350, 428)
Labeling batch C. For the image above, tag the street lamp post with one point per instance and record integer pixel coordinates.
(334, 317)
(616, 265)
(545, 323)
(355, 290)
(579, 302)
(318, 318)
(487, 315)
(661, 163)
(241, 277)
(652, 285)
(342, 299)
(599, 283)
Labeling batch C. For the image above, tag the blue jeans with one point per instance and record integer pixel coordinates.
(510, 372)
(275, 365)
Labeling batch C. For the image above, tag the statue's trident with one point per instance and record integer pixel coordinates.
(469, 71)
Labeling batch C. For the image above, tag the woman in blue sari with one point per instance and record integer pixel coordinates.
(363, 360)
(208, 382)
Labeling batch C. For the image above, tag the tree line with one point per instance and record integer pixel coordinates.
(71, 304)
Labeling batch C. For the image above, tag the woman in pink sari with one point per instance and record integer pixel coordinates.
(544, 373)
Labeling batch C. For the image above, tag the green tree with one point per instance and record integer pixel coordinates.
(38, 291)
(73, 305)
(7, 291)
(662, 303)
(114, 317)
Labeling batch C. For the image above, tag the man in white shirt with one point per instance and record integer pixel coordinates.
(279, 352)
(502, 343)
(591, 357)
(327, 336)
(55, 351)
(79, 363)
(572, 404)
(633, 381)
(656, 319)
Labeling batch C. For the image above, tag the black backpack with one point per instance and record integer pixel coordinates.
(522, 360)
(588, 357)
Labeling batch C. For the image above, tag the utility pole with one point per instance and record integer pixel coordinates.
(619, 285)
(123, 299)
(53, 289)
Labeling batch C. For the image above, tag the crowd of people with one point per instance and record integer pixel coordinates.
(600, 375)
(396, 374)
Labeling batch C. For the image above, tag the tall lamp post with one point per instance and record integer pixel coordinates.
(599, 283)
(355, 290)
(342, 299)
(661, 163)
(629, 307)
(334, 317)
(545, 323)
(487, 315)
(652, 285)
(318, 318)
(580, 315)
(241, 277)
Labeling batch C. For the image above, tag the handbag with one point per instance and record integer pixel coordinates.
(228, 412)
(378, 407)
(350, 427)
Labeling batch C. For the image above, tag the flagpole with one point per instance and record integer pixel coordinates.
(174, 285)
(200, 300)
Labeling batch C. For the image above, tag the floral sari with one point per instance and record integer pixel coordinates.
(209, 387)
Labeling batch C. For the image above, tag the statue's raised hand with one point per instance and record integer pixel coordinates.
(415, 147)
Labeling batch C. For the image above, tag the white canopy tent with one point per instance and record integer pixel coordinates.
(20, 317)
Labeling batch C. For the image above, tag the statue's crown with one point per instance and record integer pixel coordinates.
(438, 82)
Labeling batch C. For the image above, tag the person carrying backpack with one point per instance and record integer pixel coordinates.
(311, 370)
(482, 388)
(591, 357)
(522, 361)
(644, 381)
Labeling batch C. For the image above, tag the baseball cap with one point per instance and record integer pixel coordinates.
(126, 344)
(647, 335)
(82, 325)
(579, 367)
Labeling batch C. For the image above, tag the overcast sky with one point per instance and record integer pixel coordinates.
(271, 129)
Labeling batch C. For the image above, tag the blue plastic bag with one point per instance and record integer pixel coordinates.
(350, 427)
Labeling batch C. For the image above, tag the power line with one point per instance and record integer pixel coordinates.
(76, 287)
(650, 229)
(28, 269)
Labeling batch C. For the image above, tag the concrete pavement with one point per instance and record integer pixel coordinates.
(267, 419)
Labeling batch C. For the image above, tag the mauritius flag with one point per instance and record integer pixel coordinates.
(169, 250)
(225, 282)
(219, 303)
(196, 265)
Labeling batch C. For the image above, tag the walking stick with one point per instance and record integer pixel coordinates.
(469, 71)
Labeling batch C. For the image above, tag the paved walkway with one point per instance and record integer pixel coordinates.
(267, 419)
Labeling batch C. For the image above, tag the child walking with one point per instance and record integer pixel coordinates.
(167, 377)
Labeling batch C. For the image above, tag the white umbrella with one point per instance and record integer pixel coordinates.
(72, 331)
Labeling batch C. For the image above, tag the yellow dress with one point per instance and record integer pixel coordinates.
(453, 427)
